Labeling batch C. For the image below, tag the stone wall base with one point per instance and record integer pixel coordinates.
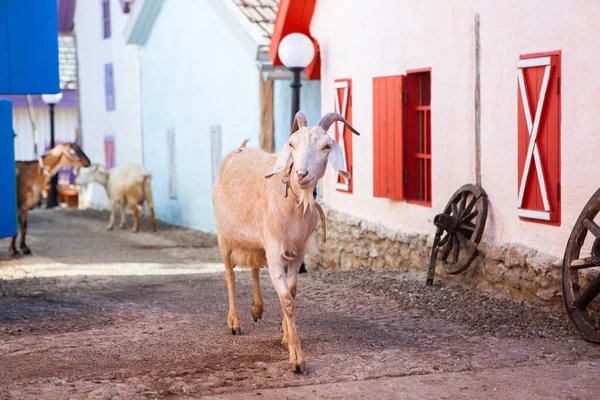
(507, 269)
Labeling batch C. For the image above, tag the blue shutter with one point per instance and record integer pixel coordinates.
(28, 47)
(8, 211)
(109, 87)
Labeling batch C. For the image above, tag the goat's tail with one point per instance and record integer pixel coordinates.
(243, 145)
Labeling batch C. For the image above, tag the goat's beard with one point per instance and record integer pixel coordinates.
(306, 198)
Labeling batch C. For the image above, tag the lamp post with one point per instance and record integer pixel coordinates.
(51, 100)
(296, 51)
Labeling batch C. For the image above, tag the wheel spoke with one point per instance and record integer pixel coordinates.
(454, 210)
(456, 249)
(592, 227)
(462, 203)
(468, 224)
(470, 206)
(444, 240)
(469, 217)
(447, 249)
(589, 294)
(463, 242)
(583, 263)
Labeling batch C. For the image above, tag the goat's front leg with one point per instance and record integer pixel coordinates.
(111, 221)
(257, 300)
(13, 247)
(288, 305)
(292, 280)
(23, 226)
(123, 218)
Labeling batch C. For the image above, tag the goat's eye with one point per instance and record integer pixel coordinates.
(291, 146)
(327, 147)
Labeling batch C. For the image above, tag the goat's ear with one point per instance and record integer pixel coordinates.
(284, 158)
(336, 158)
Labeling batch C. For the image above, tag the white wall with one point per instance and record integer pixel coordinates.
(65, 124)
(195, 73)
(93, 52)
(390, 37)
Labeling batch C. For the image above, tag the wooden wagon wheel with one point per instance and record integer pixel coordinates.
(459, 230)
(581, 273)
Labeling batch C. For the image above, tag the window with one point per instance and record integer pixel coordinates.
(126, 6)
(215, 151)
(342, 102)
(109, 87)
(538, 77)
(171, 163)
(402, 137)
(106, 18)
(418, 137)
(109, 152)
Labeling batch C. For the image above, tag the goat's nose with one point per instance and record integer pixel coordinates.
(301, 173)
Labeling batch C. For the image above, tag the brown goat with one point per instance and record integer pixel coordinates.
(32, 176)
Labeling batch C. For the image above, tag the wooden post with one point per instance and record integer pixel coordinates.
(477, 103)
(267, 127)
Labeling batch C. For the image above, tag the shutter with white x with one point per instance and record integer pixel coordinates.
(342, 105)
(539, 138)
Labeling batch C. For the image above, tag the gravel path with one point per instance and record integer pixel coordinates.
(100, 315)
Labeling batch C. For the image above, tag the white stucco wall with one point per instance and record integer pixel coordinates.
(195, 73)
(124, 123)
(65, 125)
(390, 37)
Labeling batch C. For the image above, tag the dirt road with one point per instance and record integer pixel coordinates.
(113, 315)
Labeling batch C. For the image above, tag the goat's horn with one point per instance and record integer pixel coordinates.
(330, 118)
(299, 122)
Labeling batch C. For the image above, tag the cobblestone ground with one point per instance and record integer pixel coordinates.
(115, 315)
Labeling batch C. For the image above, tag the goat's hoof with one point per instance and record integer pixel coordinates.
(153, 228)
(236, 331)
(14, 253)
(109, 228)
(26, 251)
(257, 312)
(298, 368)
(122, 226)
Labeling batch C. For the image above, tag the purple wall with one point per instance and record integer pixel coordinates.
(66, 12)
(69, 100)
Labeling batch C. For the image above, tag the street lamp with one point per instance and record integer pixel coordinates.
(51, 100)
(296, 51)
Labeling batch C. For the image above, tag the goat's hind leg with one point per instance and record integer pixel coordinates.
(233, 320)
(257, 300)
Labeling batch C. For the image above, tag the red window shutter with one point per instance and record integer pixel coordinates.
(388, 137)
(109, 152)
(539, 137)
(343, 105)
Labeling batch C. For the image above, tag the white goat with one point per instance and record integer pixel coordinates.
(127, 185)
(268, 222)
